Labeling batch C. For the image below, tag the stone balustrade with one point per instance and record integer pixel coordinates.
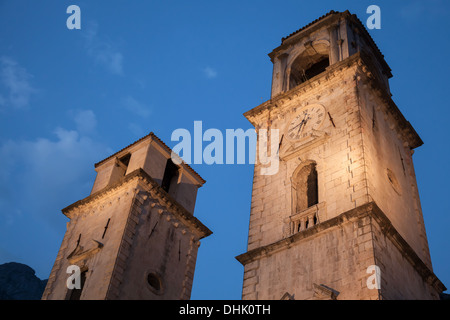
(303, 220)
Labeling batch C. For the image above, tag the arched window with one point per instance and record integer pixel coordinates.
(313, 61)
(306, 190)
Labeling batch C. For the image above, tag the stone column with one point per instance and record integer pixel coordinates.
(334, 49)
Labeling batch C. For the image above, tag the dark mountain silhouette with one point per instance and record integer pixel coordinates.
(19, 282)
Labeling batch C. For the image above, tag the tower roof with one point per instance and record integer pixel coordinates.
(329, 18)
(153, 136)
(310, 24)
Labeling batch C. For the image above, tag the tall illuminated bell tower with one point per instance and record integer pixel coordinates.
(344, 205)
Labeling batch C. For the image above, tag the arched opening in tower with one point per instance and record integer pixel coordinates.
(312, 62)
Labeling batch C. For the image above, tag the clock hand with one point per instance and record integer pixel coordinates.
(292, 129)
(301, 126)
(295, 127)
(304, 124)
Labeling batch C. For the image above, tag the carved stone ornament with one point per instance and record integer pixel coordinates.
(80, 254)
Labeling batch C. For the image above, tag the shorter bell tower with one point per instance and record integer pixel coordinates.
(135, 236)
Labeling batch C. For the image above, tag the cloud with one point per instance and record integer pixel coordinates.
(414, 11)
(102, 51)
(136, 129)
(85, 121)
(136, 107)
(39, 177)
(210, 73)
(15, 82)
(48, 172)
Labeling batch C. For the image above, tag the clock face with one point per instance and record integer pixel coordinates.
(309, 118)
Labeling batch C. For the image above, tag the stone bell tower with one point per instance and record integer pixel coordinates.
(135, 235)
(341, 219)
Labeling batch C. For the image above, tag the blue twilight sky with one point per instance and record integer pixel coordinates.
(70, 98)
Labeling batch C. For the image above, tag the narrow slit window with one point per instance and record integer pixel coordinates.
(106, 228)
(401, 159)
